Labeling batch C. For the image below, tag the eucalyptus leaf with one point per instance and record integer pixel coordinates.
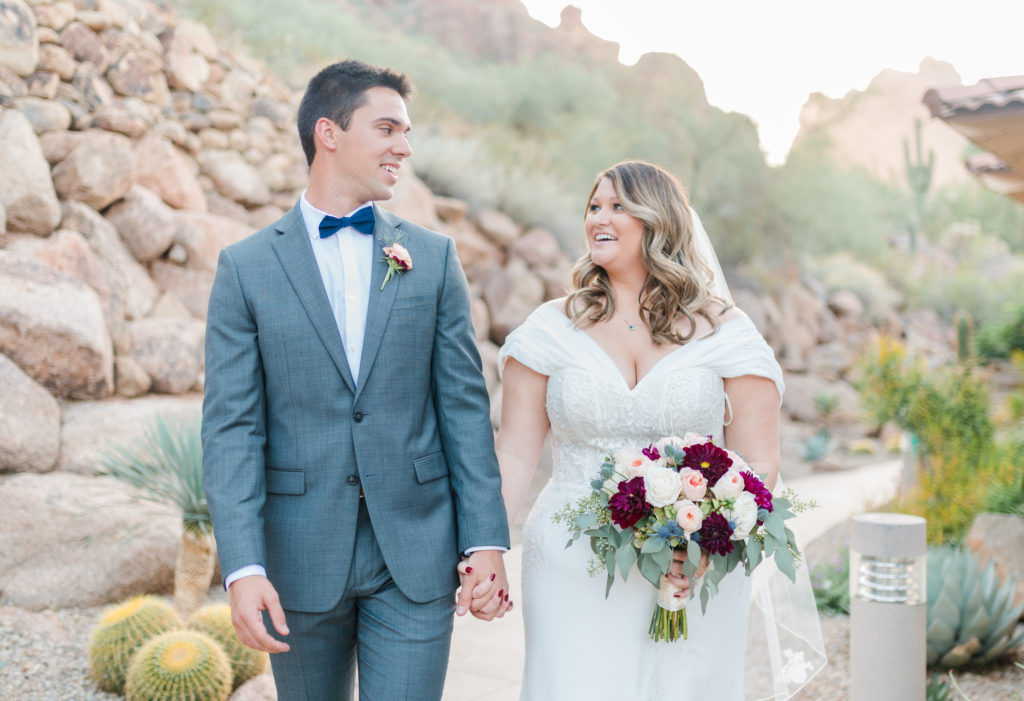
(653, 545)
(784, 561)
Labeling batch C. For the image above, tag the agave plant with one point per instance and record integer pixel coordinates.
(166, 466)
(971, 618)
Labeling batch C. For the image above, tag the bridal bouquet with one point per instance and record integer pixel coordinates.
(682, 493)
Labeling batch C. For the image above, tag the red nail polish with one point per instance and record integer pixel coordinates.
(493, 574)
(500, 592)
(506, 597)
(469, 570)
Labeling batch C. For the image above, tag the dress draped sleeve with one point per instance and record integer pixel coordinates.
(542, 343)
(737, 349)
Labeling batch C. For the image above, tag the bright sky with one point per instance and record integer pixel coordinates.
(764, 58)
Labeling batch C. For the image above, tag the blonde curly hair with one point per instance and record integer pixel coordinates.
(678, 282)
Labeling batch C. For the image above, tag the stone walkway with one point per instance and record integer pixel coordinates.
(487, 658)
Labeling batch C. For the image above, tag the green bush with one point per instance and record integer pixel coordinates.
(831, 584)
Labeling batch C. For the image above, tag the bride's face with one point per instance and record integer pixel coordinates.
(614, 237)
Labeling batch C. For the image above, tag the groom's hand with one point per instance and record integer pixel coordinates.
(249, 597)
(484, 588)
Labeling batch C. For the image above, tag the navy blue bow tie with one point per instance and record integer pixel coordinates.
(362, 221)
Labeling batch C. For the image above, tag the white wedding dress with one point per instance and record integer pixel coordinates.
(580, 645)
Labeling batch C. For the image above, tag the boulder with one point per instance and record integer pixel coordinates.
(29, 422)
(185, 69)
(137, 73)
(90, 428)
(449, 209)
(169, 350)
(235, 179)
(85, 45)
(57, 59)
(169, 307)
(97, 172)
(498, 227)
(511, 294)
(999, 538)
(56, 145)
(133, 290)
(71, 541)
(55, 16)
(26, 191)
(145, 223)
(204, 235)
(473, 247)
(42, 84)
(19, 47)
(44, 115)
(130, 379)
(69, 253)
(189, 285)
(92, 89)
(165, 170)
(802, 390)
(539, 248)
(54, 328)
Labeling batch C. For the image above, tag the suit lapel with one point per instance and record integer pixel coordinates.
(385, 233)
(296, 255)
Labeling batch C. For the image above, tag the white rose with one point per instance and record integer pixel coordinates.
(689, 516)
(728, 485)
(662, 485)
(744, 514)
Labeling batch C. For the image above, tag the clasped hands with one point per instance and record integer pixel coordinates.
(675, 572)
(483, 586)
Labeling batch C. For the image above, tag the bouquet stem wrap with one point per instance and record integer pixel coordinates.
(668, 623)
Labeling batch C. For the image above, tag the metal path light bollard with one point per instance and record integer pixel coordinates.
(888, 604)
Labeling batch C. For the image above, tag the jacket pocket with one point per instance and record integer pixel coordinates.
(414, 302)
(430, 467)
(289, 482)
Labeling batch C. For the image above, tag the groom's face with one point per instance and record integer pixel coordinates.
(370, 152)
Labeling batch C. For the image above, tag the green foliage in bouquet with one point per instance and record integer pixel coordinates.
(246, 663)
(971, 618)
(121, 631)
(183, 664)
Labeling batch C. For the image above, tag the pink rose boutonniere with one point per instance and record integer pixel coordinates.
(398, 260)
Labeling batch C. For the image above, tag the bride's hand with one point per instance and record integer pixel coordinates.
(675, 571)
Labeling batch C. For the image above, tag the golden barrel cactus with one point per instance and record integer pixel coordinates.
(121, 631)
(246, 663)
(180, 664)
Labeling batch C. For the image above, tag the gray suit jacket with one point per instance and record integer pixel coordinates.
(289, 438)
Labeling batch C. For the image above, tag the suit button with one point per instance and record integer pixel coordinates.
(357, 417)
(352, 479)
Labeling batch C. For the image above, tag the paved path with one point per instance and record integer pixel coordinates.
(487, 658)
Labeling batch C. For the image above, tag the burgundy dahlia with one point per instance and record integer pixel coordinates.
(629, 504)
(752, 484)
(712, 461)
(716, 535)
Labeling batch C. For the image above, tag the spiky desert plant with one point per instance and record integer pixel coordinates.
(246, 663)
(971, 618)
(181, 664)
(166, 466)
(122, 630)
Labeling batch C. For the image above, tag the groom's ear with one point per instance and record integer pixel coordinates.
(325, 134)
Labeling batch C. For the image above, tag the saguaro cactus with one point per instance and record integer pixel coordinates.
(919, 177)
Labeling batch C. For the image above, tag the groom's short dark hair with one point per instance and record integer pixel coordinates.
(339, 90)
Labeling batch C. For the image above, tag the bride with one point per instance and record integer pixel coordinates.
(647, 344)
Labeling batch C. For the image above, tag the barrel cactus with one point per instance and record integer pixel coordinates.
(246, 663)
(971, 618)
(121, 631)
(180, 664)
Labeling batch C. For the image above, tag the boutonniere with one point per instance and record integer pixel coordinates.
(398, 259)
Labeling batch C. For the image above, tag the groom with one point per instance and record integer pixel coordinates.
(347, 451)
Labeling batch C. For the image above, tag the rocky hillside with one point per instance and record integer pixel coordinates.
(134, 148)
(867, 128)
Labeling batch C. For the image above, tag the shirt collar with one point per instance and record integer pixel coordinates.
(311, 216)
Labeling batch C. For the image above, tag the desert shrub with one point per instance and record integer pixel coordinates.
(831, 584)
(842, 271)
